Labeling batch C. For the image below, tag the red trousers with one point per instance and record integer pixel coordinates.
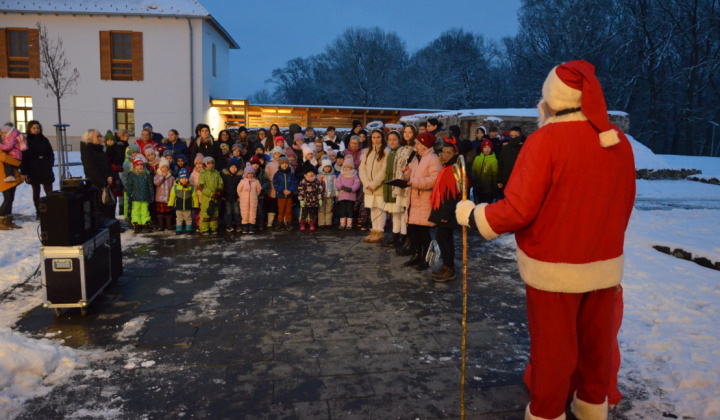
(570, 334)
(284, 209)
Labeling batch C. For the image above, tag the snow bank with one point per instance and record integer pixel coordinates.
(645, 158)
(29, 368)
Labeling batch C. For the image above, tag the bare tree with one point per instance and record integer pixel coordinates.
(55, 73)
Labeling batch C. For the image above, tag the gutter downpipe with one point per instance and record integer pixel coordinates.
(192, 83)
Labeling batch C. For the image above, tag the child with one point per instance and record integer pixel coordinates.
(265, 185)
(285, 185)
(347, 184)
(231, 178)
(195, 179)
(131, 153)
(338, 166)
(319, 151)
(309, 135)
(12, 140)
(163, 183)
(139, 188)
(210, 186)
(152, 160)
(483, 174)
(327, 178)
(249, 191)
(183, 199)
(224, 156)
(309, 162)
(311, 193)
(167, 154)
(292, 158)
(443, 199)
(179, 165)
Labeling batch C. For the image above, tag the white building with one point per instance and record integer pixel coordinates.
(157, 61)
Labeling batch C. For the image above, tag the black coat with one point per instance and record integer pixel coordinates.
(230, 184)
(302, 169)
(38, 160)
(206, 149)
(116, 154)
(95, 163)
(506, 161)
(447, 207)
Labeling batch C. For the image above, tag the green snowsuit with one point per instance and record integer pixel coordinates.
(210, 183)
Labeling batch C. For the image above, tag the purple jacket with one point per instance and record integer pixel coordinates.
(353, 183)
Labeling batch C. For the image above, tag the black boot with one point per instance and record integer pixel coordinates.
(405, 248)
(400, 242)
(393, 240)
(415, 260)
(423, 264)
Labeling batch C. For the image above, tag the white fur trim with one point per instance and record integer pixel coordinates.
(559, 95)
(609, 138)
(570, 278)
(575, 116)
(529, 416)
(543, 113)
(586, 411)
(462, 212)
(482, 223)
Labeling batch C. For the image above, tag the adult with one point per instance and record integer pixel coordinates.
(274, 132)
(354, 151)
(497, 140)
(409, 134)
(421, 175)
(203, 143)
(372, 175)
(156, 137)
(354, 131)
(480, 135)
(292, 130)
(38, 161)
(115, 149)
(508, 156)
(395, 197)
(434, 126)
(332, 141)
(262, 138)
(96, 165)
(175, 144)
(569, 244)
(146, 140)
(8, 188)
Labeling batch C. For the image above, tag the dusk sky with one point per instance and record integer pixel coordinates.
(274, 31)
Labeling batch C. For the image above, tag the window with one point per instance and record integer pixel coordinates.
(121, 55)
(23, 112)
(19, 53)
(214, 60)
(125, 114)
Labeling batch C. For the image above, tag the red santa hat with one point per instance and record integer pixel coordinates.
(574, 85)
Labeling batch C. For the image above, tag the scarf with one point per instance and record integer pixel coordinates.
(445, 186)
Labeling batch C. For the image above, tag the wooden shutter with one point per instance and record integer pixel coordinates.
(105, 55)
(34, 53)
(3, 53)
(137, 55)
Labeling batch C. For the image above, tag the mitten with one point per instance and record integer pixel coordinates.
(462, 212)
(346, 189)
(320, 203)
(302, 203)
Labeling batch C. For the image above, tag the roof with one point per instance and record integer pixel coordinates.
(159, 8)
(490, 113)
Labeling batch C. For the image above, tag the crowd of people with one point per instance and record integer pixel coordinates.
(246, 182)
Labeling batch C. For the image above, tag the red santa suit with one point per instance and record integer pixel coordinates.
(569, 201)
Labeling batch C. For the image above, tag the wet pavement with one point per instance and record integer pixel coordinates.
(290, 325)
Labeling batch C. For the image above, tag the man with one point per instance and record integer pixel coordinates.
(422, 127)
(568, 202)
(156, 137)
(508, 156)
(496, 139)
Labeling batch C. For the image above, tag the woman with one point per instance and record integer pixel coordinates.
(372, 176)
(354, 151)
(203, 143)
(96, 166)
(175, 144)
(262, 138)
(37, 163)
(115, 147)
(396, 197)
(421, 176)
(145, 140)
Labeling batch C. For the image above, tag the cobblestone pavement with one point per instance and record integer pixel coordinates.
(291, 325)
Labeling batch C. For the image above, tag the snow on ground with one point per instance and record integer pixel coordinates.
(669, 340)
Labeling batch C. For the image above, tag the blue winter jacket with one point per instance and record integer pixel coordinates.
(284, 180)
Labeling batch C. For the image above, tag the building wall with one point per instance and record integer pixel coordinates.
(214, 86)
(161, 98)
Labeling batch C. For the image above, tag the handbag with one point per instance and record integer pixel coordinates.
(108, 198)
(433, 253)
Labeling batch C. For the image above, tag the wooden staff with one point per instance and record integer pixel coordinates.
(460, 177)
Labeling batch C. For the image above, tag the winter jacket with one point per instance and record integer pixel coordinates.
(333, 143)
(311, 192)
(163, 184)
(183, 197)
(285, 180)
(38, 160)
(372, 175)
(508, 157)
(142, 145)
(328, 181)
(265, 183)
(422, 174)
(139, 186)
(95, 163)
(352, 182)
(446, 211)
(207, 149)
(402, 159)
(230, 185)
(355, 155)
(5, 158)
(305, 166)
(127, 168)
(116, 154)
(248, 190)
(483, 173)
(568, 240)
(11, 144)
(177, 148)
(270, 169)
(209, 183)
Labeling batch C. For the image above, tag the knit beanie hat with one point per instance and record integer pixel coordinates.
(290, 152)
(224, 146)
(427, 139)
(183, 173)
(254, 159)
(199, 158)
(276, 150)
(306, 149)
(137, 161)
(323, 164)
(481, 127)
(237, 146)
(150, 149)
(234, 162)
(208, 159)
(279, 139)
(248, 170)
(574, 85)
(299, 136)
(484, 143)
(164, 162)
(349, 163)
(284, 159)
(134, 148)
(167, 153)
(109, 135)
(146, 125)
(180, 156)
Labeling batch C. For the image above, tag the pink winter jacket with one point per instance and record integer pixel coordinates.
(248, 191)
(163, 186)
(270, 170)
(422, 174)
(11, 145)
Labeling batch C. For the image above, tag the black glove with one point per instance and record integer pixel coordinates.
(346, 189)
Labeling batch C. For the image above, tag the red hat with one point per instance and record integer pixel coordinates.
(427, 139)
(137, 161)
(484, 143)
(574, 85)
(279, 139)
(254, 159)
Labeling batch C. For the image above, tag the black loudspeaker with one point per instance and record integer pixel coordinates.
(67, 218)
(116, 265)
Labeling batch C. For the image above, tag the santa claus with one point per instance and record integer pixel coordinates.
(568, 200)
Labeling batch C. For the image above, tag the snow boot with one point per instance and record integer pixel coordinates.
(415, 260)
(302, 226)
(3, 224)
(312, 226)
(393, 239)
(10, 222)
